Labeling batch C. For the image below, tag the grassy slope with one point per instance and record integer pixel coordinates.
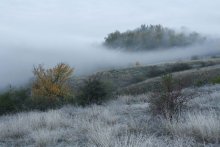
(122, 79)
(192, 77)
(125, 122)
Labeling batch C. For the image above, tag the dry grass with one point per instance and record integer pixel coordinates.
(204, 127)
(125, 122)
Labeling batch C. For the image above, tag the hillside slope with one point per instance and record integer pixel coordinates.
(121, 78)
(120, 123)
(191, 77)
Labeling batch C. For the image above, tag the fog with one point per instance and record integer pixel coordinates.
(47, 32)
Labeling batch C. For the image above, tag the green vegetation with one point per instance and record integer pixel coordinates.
(216, 80)
(14, 100)
(94, 91)
(178, 67)
(54, 87)
(151, 37)
(192, 77)
(50, 89)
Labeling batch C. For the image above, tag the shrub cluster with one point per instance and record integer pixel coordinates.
(178, 67)
(154, 71)
(94, 91)
(51, 89)
(14, 100)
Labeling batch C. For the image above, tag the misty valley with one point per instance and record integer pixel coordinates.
(109, 73)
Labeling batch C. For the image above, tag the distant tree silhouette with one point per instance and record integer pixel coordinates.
(151, 37)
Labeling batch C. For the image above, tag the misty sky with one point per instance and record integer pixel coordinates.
(51, 31)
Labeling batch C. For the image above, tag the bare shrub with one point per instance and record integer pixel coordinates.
(168, 98)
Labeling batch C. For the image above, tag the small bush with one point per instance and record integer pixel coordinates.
(137, 64)
(195, 58)
(14, 100)
(43, 103)
(178, 67)
(216, 80)
(201, 79)
(168, 99)
(154, 71)
(94, 91)
(200, 83)
(52, 84)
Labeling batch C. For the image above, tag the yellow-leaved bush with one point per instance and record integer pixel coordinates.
(52, 83)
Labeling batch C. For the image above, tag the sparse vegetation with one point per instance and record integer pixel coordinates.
(178, 67)
(193, 77)
(154, 71)
(216, 80)
(168, 99)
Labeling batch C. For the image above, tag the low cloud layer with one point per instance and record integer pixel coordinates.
(51, 31)
(89, 58)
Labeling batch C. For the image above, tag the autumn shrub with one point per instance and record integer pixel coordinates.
(168, 98)
(94, 91)
(51, 85)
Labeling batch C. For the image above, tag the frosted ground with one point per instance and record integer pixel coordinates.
(124, 122)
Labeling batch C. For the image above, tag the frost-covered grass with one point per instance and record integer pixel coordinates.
(203, 127)
(125, 122)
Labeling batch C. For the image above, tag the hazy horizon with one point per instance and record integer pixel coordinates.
(47, 32)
